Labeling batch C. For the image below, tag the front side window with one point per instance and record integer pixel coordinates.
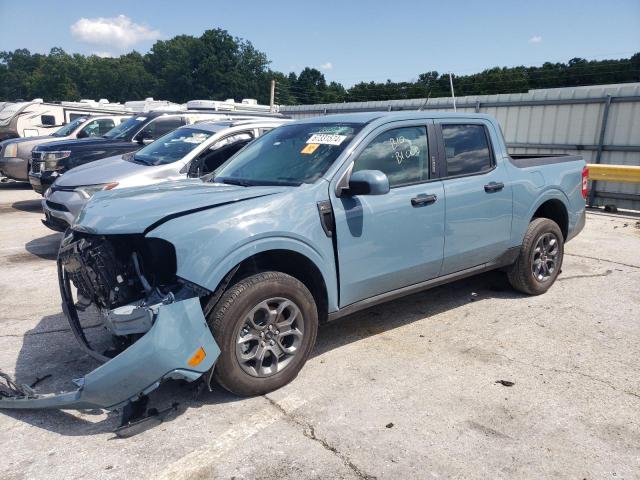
(289, 155)
(171, 147)
(104, 125)
(467, 149)
(219, 152)
(97, 127)
(69, 128)
(401, 154)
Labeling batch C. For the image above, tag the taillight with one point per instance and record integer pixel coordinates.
(585, 181)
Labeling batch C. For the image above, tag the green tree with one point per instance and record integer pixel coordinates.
(218, 66)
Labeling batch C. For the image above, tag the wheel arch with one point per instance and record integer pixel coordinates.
(554, 209)
(294, 258)
(292, 263)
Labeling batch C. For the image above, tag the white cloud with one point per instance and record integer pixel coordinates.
(120, 32)
(326, 66)
(535, 39)
(104, 54)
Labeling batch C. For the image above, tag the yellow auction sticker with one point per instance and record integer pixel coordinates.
(309, 148)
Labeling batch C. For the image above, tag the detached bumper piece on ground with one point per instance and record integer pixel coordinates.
(178, 337)
(164, 331)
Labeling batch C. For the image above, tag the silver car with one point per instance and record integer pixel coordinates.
(15, 153)
(190, 151)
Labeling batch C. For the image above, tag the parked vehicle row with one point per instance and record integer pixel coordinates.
(190, 151)
(229, 274)
(51, 160)
(21, 119)
(38, 118)
(15, 155)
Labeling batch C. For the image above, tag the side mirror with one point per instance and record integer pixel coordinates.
(368, 182)
(82, 134)
(143, 138)
(194, 168)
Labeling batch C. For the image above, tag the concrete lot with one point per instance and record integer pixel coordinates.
(404, 390)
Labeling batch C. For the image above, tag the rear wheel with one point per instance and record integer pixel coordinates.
(265, 326)
(540, 259)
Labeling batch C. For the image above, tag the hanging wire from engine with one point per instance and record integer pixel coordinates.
(9, 388)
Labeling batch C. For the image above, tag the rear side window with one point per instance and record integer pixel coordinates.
(400, 153)
(162, 126)
(467, 149)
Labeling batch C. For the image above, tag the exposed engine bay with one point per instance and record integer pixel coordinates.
(156, 320)
(125, 277)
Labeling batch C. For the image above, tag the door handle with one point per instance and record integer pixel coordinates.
(423, 199)
(493, 187)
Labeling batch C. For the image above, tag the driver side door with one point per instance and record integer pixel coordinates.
(386, 242)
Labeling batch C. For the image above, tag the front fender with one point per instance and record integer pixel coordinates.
(209, 272)
(209, 244)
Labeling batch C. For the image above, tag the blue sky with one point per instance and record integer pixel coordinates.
(349, 40)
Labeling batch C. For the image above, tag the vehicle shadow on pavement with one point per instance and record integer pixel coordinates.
(45, 247)
(33, 206)
(15, 186)
(51, 349)
(406, 310)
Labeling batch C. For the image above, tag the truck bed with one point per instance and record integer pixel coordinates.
(524, 160)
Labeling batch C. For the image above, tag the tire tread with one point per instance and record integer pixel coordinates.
(519, 275)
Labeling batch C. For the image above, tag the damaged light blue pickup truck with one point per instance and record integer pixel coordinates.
(227, 277)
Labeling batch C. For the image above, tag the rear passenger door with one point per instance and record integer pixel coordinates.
(478, 208)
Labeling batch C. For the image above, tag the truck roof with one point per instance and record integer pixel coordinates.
(368, 117)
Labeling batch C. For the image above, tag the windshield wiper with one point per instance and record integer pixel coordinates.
(137, 159)
(234, 181)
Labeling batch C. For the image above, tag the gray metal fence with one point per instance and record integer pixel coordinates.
(600, 122)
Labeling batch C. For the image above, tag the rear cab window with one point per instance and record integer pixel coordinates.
(467, 149)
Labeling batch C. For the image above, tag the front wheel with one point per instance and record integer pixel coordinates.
(265, 326)
(540, 259)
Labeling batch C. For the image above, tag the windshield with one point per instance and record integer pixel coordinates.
(171, 147)
(289, 155)
(125, 128)
(68, 128)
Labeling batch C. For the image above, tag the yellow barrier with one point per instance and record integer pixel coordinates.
(614, 173)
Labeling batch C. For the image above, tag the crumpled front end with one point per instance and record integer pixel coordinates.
(157, 320)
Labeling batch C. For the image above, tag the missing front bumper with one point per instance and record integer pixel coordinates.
(177, 335)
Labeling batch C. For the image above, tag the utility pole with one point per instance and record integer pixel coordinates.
(272, 102)
(453, 95)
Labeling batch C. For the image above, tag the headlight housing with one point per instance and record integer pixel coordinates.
(88, 191)
(50, 159)
(11, 150)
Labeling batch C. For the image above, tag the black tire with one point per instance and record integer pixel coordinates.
(521, 273)
(227, 320)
